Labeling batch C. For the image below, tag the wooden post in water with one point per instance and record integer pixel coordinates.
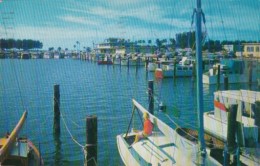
(91, 141)
(193, 70)
(225, 82)
(146, 63)
(257, 117)
(56, 109)
(150, 96)
(128, 62)
(250, 73)
(226, 156)
(231, 128)
(218, 77)
(174, 69)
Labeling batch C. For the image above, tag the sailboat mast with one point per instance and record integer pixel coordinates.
(200, 109)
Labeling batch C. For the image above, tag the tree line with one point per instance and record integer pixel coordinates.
(24, 44)
(187, 40)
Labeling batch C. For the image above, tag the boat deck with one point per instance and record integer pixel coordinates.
(156, 149)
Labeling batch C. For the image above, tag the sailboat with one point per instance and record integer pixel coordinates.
(168, 146)
(19, 151)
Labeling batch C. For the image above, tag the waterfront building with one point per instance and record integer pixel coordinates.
(251, 50)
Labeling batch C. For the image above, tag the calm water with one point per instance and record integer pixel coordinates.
(87, 89)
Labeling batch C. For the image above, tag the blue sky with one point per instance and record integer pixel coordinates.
(63, 22)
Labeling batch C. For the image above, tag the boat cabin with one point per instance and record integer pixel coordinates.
(246, 114)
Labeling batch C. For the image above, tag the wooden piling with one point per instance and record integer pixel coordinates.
(218, 77)
(231, 127)
(91, 141)
(226, 156)
(150, 96)
(56, 109)
(257, 118)
(250, 73)
(225, 82)
(146, 63)
(174, 69)
(128, 62)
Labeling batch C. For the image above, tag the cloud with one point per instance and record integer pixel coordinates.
(79, 20)
(96, 20)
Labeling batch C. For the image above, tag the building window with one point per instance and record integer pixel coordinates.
(257, 49)
(250, 49)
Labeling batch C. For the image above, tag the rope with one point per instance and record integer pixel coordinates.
(70, 132)
(195, 138)
(133, 110)
(86, 154)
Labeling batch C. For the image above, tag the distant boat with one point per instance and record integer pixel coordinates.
(183, 69)
(129, 61)
(117, 59)
(19, 151)
(35, 55)
(47, 55)
(237, 71)
(152, 66)
(2, 54)
(25, 55)
(57, 55)
(105, 61)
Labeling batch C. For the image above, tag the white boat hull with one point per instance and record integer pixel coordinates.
(232, 78)
(152, 66)
(124, 62)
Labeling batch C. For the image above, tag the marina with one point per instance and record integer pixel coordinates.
(78, 99)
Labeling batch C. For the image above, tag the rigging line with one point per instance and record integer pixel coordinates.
(19, 88)
(182, 121)
(160, 93)
(195, 138)
(171, 22)
(3, 98)
(70, 132)
(128, 128)
(151, 29)
(218, 5)
(236, 27)
(20, 95)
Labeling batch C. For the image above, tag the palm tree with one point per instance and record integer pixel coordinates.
(59, 49)
(78, 45)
